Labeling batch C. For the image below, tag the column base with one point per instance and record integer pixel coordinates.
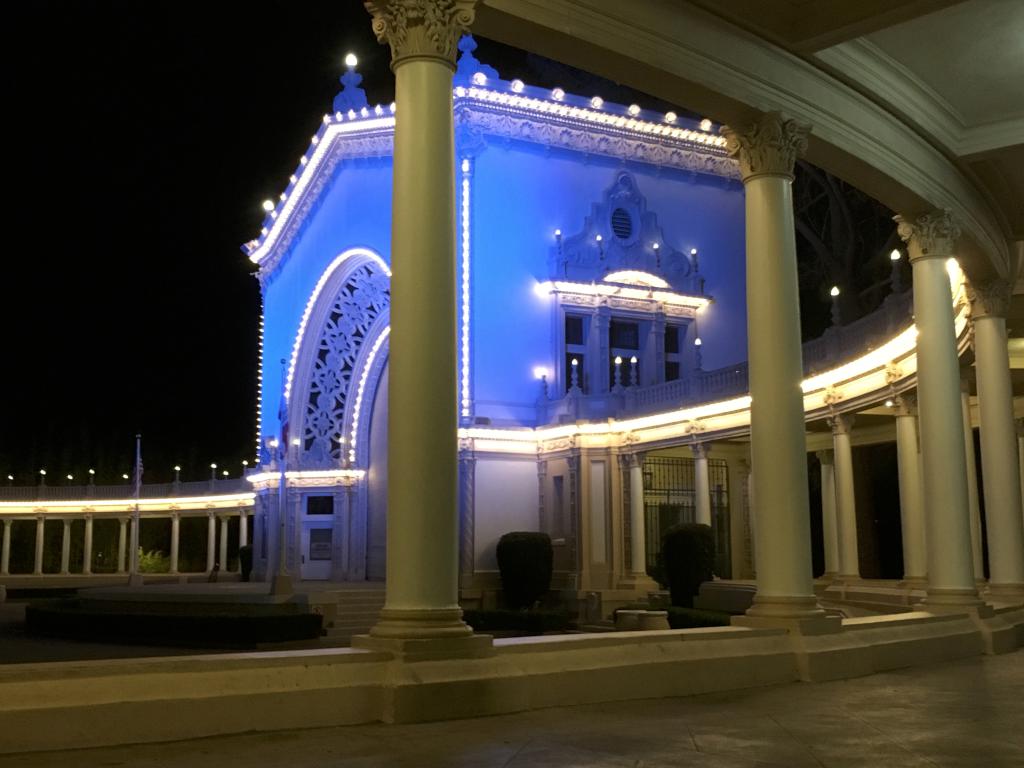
(914, 582)
(136, 580)
(428, 648)
(638, 582)
(783, 607)
(281, 584)
(1006, 593)
(938, 600)
(420, 624)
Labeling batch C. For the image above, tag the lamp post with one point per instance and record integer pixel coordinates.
(618, 374)
(633, 380)
(177, 474)
(834, 293)
(42, 477)
(574, 380)
(894, 276)
(92, 477)
(697, 344)
(10, 479)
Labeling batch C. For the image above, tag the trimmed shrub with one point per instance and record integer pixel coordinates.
(245, 561)
(535, 622)
(689, 552)
(153, 561)
(525, 561)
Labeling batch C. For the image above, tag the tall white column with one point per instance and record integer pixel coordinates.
(5, 550)
(931, 242)
(122, 544)
(915, 556)
(829, 526)
(211, 541)
(224, 543)
(37, 567)
(766, 152)
(65, 547)
(702, 483)
(175, 541)
(1020, 459)
(87, 546)
(637, 516)
(243, 528)
(422, 534)
(1000, 472)
(973, 502)
(846, 500)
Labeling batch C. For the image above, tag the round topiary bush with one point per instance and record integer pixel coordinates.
(689, 553)
(525, 561)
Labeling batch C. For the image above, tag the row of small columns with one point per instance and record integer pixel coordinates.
(122, 543)
(422, 580)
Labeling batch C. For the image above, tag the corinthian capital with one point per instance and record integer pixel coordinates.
(841, 423)
(905, 405)
(990, 298)
(421, 29)
(769, 146)
(933, 235)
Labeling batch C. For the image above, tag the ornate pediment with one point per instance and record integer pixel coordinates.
(620, 236)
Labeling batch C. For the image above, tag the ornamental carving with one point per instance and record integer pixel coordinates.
(905, 405)
(826, 457)
(421, 28)
(933, 235)
(990, 298)
(841, 424)
(700, 450)
(769, 146)
(362, 299)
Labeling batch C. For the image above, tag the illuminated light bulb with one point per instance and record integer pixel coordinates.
(296, 441)
(479, 78)
(598, 238)
(351, 114)
(268, 205)
(177, 468)
(10, 477)
(293, 178)
(225, 473)
(655, 246)
(540, 372)
(339, 117)
(92, 471)
(517, 86)
(71, 477)
(557, 94)
(124, 476)
(213, 466)
(42, 472)
(314, 140)
(378, 110)
(632, 360)
(465, 165)
(274, 443)
(283, 197)
(671, 117)
(834, 292)
(303, 160)
(364, 112)
(693, 251)
(618, 359)
(697, 342)
(351, 60)
(391, 107)
(634, 109)
(327, 119)
(263, 230)
(597, 102)
(895, 255)
(558, 233)
(575, 362)
(889, 403)
(705, 124)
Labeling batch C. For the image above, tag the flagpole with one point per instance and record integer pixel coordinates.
(282, 581)
(134, 577)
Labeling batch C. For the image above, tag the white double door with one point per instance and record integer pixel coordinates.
(317, 549)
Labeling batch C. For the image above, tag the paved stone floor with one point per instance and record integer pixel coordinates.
(966, 713)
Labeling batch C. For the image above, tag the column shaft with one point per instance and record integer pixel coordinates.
(973, 502)
(224, 522)
(175, 541)
(931, 241)
(846, 500)
(637, 518)
(37, 567)
(702, 484)
(122, 542)
(243, 529)
(211, 541)
(915, 558)
(5, 550)
(829, 526)
(1000, 472)
(87, 546)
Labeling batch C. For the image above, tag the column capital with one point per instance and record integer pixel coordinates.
(990, 298)
(841, 423)
(931, 236)
(905, 405)
(767, 147)
(701, 450)
(421, 29)
(826, 457)
(635, 460)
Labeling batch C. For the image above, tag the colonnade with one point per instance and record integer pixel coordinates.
(213, 555)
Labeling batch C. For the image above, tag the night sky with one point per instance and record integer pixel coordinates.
(142, 138)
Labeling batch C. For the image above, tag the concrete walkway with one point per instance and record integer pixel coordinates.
(965, 713)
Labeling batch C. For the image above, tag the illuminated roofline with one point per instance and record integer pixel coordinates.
(197, 503)
(636, 277)
(548, 287)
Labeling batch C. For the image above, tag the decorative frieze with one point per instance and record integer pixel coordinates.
(932, 235)
(769, 146)
(421, 29)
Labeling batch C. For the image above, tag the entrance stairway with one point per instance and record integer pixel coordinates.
(358, 609)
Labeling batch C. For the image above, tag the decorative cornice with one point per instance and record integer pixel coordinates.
(990, 298)
(931, 236)
(421, 29)
(767, 147)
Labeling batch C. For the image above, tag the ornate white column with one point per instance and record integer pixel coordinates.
(931, 241)
(422, 534)
(702, 483)
(243, 528)
(211, 541)
(5, 550)
(122, 544)
(637, 517)
(971, 465)
(175, 540)
(766, 152)
(915, 557)
(829, 528)
(87, 546)
(1000, 473)
(1020, 457)
(37, 567)
(65, 547)
(846, 500)
(224, 522)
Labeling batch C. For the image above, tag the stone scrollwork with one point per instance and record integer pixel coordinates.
(990, 298)
(929, 236)
(421, 29)
(769, 146)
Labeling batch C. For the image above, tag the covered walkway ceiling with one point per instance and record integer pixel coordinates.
(916, 102)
